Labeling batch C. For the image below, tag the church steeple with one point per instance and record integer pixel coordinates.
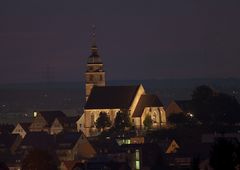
(94, 46)
(94, 75)
(94, 58)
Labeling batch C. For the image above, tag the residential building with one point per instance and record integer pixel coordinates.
(44, 119)
(22, 129)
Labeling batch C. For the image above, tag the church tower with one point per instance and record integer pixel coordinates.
(94, 75)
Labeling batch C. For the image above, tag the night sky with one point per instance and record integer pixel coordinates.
(137, 39)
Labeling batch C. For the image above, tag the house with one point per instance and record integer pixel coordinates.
(179, 106)
(112, 99)
(44, 119)
(64, 124)
(14, 162)
(103, 162)
(144, 156)
(9, 143)
(22, 129)
(169, 146)
(70, 165)
(37, 140)
(6, 128)
(73, 146)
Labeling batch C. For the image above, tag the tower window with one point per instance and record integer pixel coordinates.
(91, 78)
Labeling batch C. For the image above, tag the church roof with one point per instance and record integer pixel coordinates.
(111, 97)
(25, 126)
(146, 100)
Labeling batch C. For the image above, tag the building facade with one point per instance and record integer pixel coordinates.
(112, 99)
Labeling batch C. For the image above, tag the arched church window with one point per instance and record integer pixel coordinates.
(154, 117)
(92, 120)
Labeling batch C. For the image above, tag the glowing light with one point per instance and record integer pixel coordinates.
(34, 114)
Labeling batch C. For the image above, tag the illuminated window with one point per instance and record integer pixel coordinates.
(137, 164)
(127, 141)
(154, 117)
(34, 114)
(137, 155)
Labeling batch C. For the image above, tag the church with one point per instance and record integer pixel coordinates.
(111, 99)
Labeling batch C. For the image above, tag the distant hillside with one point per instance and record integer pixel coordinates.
(70, 95)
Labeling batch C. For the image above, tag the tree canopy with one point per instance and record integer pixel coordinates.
(148, 122)
(202, 93)
(103, 121)
(122, 120)
(178, 118)
(225, 154)
(210, 106)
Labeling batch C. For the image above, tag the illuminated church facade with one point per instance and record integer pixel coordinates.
(112, 99)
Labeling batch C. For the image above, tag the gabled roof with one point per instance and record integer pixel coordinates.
(111, 97)
(67, 140)
(49, 116)
(40, 140)
(185, 105)
(146, 100)
(106, 146)
(68, 120)
(25, 126)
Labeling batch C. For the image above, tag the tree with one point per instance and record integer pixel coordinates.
(38, 160)
(103, 121)
(224, 154)
(122, 120)
(212, 107)
(148, 122)
(202, 93)
(178, 118)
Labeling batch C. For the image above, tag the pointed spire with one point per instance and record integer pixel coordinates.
(94, 46)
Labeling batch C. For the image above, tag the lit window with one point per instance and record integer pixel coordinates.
(137, 164)
(137, 154)
(34, 114)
